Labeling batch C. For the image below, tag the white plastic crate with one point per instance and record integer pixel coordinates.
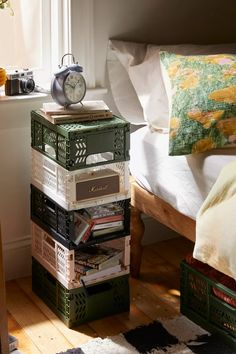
(60, 261)
(62, 185)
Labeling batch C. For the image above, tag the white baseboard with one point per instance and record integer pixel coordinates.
(17, 258)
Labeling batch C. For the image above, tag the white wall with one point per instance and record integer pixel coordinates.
(15, 183)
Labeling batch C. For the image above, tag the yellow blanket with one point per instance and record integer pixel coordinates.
(216, 224)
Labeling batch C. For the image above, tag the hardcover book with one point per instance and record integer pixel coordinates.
(88, 110)
(106, 231)
(83, 227)
(102, 211)
(98, 256)
(107, 225)
(108, 219)
(101, 273)
(13, 342)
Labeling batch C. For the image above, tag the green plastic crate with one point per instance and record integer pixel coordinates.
(199, 303)
(81, 305)
(84, 144)
(60, 223)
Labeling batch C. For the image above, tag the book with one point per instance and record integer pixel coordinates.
(84, 270)
(83, 227)
(98, 256)
(13, 342)
(88, 110)
(91, 106)
(109, 230)
(66, 118)
(101, 273)
(107, 225)
(108, 219)
(102, 211)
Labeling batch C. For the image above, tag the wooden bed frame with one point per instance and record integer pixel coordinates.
(145, 202)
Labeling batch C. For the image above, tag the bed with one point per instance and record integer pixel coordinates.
(171, 189)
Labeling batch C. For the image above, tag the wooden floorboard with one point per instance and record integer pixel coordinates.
(154, 295)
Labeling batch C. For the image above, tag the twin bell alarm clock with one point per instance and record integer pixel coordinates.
(68, 85)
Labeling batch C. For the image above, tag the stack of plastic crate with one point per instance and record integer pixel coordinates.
(77, 166)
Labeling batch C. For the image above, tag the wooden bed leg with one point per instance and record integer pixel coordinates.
(137, 232)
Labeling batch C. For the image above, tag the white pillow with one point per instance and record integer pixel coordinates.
(122, 89)
(142, 65)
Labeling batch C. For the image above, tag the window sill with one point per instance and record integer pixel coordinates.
(90, 94)
(4, 98)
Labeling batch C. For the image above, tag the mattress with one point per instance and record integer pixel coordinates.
(182, 181)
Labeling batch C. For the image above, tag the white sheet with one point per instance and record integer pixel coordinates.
(182, 181)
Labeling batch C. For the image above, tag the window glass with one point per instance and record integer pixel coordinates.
(26, 37)
(21, 34)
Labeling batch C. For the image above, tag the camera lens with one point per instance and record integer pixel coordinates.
(27, 85)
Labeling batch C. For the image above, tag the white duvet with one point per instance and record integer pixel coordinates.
(216, 224)
(182, 181)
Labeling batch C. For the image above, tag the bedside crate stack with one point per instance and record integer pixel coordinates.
(80, 169)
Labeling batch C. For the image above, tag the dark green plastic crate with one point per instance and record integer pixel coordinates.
(199, 303)
(71, 144)
(59, 222)
(81, 305)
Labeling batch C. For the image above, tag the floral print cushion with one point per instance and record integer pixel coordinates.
(203, 102)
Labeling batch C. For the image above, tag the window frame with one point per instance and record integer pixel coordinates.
(56, 36)
(67, 27)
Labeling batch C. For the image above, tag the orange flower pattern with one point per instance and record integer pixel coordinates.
(203, 98)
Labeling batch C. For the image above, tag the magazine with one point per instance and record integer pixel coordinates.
(98, 256)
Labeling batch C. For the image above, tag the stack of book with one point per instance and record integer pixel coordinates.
(97, 261)
(86, 111)
(98, 221)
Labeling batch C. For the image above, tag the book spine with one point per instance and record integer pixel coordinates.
(102, 273)
(104, 214)
(80, 117)
(108, 219)
(107, 225)
(83, 228)
(109, 230)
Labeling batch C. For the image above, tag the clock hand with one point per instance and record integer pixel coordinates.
(67, 84)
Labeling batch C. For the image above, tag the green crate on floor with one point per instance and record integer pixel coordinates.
(81, 305)
(84, 144)
(200, 304)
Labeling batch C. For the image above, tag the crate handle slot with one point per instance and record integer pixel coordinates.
(50, 205)
(96, 289)
(49, 241)
(99, 157)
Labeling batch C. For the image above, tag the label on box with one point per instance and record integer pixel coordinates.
(100, 184)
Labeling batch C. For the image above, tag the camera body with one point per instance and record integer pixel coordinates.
(19, 82)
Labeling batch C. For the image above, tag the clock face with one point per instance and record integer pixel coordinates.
(74, 87)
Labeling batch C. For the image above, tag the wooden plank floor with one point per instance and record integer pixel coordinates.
(155, 294)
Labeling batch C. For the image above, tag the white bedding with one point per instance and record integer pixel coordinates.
(182, 181)
(216, 224)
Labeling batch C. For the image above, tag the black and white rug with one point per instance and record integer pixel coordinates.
(173, 336)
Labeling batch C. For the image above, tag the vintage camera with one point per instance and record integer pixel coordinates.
(19, 82)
